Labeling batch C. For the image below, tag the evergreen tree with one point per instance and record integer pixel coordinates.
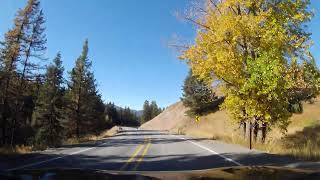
(96, 120)
(25, 40)
(128, 117)
(126, 114)
(197, 96)
(50, 106)
(146, 115)
(154, 109)
(10, 54)
(86, 106)
(136, 119)
(33, 46)
(150, 110)
(121, 118)
(112, 113)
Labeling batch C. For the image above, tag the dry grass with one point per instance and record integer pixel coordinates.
(298, 145)
(301, 141)
(306, 150)
(19, 149)
(91, 137)
(214, 125)
(22, 149)
(86, 138)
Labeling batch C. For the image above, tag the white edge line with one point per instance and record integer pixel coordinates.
(214, 152)
(52, 159)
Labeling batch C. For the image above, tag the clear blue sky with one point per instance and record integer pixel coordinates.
(127, 41)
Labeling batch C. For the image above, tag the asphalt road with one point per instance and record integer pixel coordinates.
(142, 150)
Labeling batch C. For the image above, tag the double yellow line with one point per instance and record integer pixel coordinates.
(145, 147)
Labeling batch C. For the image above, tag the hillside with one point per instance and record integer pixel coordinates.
(303, 133)
(168, 119)
(174, 119)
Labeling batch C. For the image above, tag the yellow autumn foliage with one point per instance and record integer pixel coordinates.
(249, 45)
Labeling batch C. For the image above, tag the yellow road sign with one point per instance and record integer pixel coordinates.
(197, 119)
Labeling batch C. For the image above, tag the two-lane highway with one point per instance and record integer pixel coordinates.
(144, 150)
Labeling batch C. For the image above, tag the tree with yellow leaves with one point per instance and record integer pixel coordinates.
(249, 45)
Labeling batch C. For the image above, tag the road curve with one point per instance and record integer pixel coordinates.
(144, 150)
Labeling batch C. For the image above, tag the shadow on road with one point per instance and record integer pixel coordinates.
(171, 162)
(150, 162)
(166, 162)
(130, 139)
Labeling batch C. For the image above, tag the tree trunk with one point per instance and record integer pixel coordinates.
(4, 125)
(250, 134)
(255, 130)
(77, 130)
(5, 114)
(14, 121)
(51, 125)
(244, 129)
(264, 132)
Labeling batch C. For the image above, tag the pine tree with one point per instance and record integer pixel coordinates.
(121, 117)
(112, 113)
(128, 117)
(86, 106)
(23, 41)
(150, 110)
(33, 46)
(50, 107)
(146, 116)
(155, 110)
(96, 120)
(197, 96)
(10, 54)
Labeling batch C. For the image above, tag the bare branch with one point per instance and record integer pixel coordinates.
(215, 5)
(197, 23)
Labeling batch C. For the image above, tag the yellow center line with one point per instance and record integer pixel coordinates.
(143, 154)
(133, 156)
